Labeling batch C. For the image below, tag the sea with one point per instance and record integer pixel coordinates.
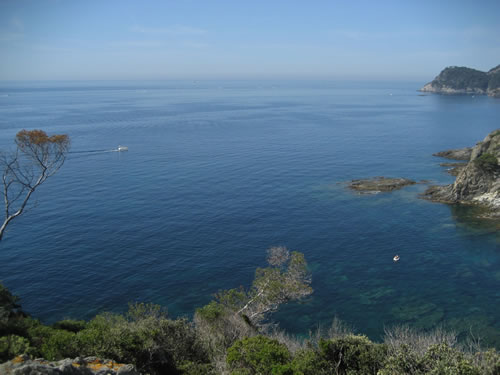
(217, 172)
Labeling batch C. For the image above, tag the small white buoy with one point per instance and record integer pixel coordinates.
(396, 258)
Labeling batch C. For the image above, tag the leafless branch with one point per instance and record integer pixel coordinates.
(36, 158)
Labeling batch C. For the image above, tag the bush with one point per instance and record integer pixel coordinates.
(353, 355)
(404, 360)
(219, 327)
(259, 355)
(309, 362)
(144, 337)
(12, 346)
(10, 312)
(50, 343)
(192, 368)
(488, 362)
(487, 162)
(70, 325)
(59, 344)
(440, 359)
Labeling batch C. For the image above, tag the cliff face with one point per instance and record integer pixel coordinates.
(462, 80)
(479, 181)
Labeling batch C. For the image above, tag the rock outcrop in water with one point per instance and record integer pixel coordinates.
(23, 365)
(379, 184)
(462, 80)
(456, 154)
(478, 182)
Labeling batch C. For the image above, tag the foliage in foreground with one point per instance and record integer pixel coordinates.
(230, 336)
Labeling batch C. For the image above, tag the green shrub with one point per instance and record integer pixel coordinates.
(194, 368)
(353, 355)
(309, 362)
(211, 312)
(440, 359)
(59, 344)
(144, 337)
(50, 343)
(259, 355)
(10, 312)
(12, 346)
(443, 360)
(487, 161)
(488, 362)
(404, 361)
(70, 325)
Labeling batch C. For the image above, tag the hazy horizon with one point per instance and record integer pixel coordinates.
(154, 40)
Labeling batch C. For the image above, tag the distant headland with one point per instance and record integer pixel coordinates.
(462, 80)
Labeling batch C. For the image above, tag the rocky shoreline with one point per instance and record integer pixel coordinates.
(478, 181)
(477, 178)
(456, 154)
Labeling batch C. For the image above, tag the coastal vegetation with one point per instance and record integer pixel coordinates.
(463, 80)
(233, 335)
(487, 161)
(477, 182)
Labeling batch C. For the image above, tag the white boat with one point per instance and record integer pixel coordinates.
(122, 148)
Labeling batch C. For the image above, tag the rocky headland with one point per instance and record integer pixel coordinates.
(478, 182)
(379, 184)
(456, 154)
(462, 80)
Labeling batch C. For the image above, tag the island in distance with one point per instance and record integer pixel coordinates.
(462, 80)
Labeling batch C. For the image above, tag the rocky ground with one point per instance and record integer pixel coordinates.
(23, 365)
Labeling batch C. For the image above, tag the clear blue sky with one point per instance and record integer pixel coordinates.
(211, 39)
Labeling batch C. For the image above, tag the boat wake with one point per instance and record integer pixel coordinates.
(94, 152)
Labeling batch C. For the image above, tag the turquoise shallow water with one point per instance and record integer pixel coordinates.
(219, 171)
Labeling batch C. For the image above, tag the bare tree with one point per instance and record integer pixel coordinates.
(36, 158)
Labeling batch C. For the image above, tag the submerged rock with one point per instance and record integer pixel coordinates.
(379, 184)
(23, 365)
(478, 182)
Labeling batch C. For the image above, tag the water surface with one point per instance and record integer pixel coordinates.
(217, 172)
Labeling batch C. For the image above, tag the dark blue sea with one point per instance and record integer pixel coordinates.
(217, 172)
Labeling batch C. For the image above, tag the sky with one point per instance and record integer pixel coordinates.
(232, 39)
